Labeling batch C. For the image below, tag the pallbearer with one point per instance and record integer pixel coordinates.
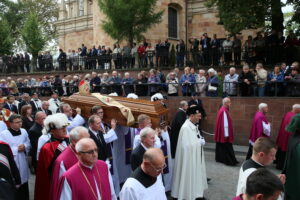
(224, 135)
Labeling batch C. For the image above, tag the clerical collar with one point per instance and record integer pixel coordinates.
(90, 167)
(145, 179)
(248, 164)
(14, 132)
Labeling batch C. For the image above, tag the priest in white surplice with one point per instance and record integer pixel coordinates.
(145, 182)
(19, 142)
(189, 178)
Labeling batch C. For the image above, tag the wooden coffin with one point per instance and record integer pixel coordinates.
(157, 112)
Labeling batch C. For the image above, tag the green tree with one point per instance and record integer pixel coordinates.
(33, 36)
(237, 15)
(129, 19)
(6, 41)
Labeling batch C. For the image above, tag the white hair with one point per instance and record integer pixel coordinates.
(183, 103)
(80, 143)
(262, 105)
(76, 133)
(296, 106)
(225, 100)
(56, 121)
(202, 71)
(145, 131)
(211, 70)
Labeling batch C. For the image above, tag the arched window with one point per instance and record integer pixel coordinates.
(173, 22)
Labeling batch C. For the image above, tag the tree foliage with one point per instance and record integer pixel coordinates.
(33, 36)
(16, 13)
(129, 19)
(237, 15)
(6, 41)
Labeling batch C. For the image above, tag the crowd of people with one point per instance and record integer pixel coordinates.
(284, 80)
(268, 48)
(85, 158)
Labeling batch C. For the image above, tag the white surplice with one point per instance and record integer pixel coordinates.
(134, 190)
(19, 157)
(167, 177)
(189, 178)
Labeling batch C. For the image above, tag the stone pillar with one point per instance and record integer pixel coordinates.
(62, 10)
(75, 8)
(85, 7)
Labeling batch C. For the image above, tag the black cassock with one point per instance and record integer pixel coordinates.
(9, 173)
(176, 124)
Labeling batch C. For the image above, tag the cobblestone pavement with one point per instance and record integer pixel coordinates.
(223, 178)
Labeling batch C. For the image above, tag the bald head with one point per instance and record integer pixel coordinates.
(153, 154)
(40, 117)
(87, 152)
(153, 162)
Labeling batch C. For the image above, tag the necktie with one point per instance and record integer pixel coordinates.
(99, 137)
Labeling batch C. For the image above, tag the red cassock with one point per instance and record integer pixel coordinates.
(257, 127)
(48, 152)
(82, 179)
(219, 129)
(68, 157)
(283, 135)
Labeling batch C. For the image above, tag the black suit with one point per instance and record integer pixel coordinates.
(47, 112)
(13, 108)
(34, 106)
(176, 124)
(23, 103)
(34, 133)
(137, 157)
(101, 145)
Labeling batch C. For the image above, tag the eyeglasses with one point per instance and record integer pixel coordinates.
(158, 169)
(90, 152)
(17, 122)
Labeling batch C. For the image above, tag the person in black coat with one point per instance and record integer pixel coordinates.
(9, 173)
(45, 108)
(147, 141)
(246, 79)
(95, 82)
(176, 124)
(141, 89)
(34, 133)
(9, 104)
(205, 43)
(198, 103)
(97, 135)
(25, 101)
(62, 60)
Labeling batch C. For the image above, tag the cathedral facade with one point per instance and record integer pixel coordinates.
(80, 22)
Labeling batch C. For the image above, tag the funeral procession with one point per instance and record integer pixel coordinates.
(149, 100)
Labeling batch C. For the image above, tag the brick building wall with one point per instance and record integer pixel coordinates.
(242, 111)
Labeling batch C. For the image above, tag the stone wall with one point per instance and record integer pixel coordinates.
(242, 111)
(74, 40)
